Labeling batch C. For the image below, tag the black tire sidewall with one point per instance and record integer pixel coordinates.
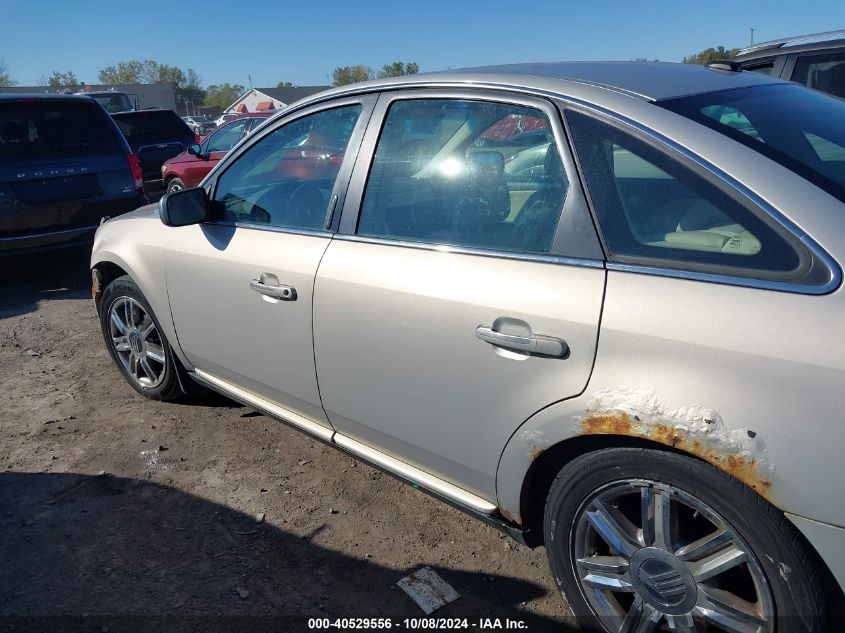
(126, 287)
(170, 182)
(761, 526)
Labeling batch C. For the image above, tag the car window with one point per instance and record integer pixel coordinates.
(466, 173)
(653, 207)
(763, 69)
(796, 127)
(151, 125)
(52, 128)
(730, 116)
(287, 177)
(226, 137)
(825, 72)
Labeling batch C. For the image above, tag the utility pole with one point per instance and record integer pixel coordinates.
(752, 36)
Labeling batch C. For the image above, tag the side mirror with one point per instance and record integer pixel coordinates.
(195, 149)
(185, 207)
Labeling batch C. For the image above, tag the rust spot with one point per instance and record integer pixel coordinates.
(620, 424)
(608, 424)
(536, 451)
(509, 517)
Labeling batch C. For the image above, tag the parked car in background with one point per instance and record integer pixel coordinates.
(189, 168)
(629, 356)
(155, 136)
(817, 61)
(223, 118)
(63, 166)
(200, 124)
(114, 101)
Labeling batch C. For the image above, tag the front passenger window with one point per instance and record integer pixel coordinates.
(286, 178)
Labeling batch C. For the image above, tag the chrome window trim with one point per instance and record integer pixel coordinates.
(464, 250)
(817, 251)
(259, 226)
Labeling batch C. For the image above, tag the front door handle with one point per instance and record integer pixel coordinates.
(268, 285)
(530, 344)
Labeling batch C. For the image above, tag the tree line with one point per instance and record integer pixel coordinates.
(188, 89)
(187, 83)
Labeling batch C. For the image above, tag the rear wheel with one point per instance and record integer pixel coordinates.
(643, 540)
(136, 342)
(175, 184)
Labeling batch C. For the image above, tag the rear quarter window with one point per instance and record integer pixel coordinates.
(656, 210)
(54, 128)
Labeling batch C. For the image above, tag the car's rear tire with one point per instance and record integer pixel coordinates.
(137, 343)
(175, 184)
(729, 554)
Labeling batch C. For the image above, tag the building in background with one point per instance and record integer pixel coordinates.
(271, 99)
(158, 95)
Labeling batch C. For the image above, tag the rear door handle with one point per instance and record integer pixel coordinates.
(268, 285)
(533, 344)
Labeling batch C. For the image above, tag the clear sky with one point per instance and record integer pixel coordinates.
(228, 40)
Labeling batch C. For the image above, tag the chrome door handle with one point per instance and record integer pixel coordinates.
(534, 344)
(269, 286)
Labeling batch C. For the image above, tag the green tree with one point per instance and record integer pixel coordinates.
(711, 55)
(187, 85)
(124, 73)
(5, 79)
(58, 79)
(398, 69)
(343, 75)
(223, 95)
(285, 84)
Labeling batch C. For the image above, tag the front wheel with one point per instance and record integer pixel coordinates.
(644, 540)
(136, 342)
(175, 184)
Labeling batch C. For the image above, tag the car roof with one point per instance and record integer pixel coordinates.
(795, 44)
(29, 96)
(651, 81)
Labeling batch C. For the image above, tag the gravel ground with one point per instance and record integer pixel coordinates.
(203, 514)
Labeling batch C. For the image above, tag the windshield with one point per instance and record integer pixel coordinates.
(801, 129)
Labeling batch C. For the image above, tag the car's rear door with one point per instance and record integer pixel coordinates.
(454, 303)
(240, 286)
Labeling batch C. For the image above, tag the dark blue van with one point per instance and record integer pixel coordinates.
(63, 166)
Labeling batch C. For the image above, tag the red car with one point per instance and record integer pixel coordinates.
(186, 170)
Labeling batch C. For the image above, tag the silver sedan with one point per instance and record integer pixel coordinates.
(594, 305)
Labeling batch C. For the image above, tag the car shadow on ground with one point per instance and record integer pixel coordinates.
(52, 275)
(103, 553)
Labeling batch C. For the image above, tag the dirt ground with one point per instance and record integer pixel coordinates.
(118, 513)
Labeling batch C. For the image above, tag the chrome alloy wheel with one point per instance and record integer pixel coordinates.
(173, 186)
(137, 342)
(649, 557)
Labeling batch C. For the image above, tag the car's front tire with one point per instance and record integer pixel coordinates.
(175, 184)
(136, 342)
(647, 540)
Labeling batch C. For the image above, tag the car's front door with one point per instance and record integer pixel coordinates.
(240, 286)
(445, 311)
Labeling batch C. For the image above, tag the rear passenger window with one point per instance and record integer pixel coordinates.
(653, 207)
(465, 173)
